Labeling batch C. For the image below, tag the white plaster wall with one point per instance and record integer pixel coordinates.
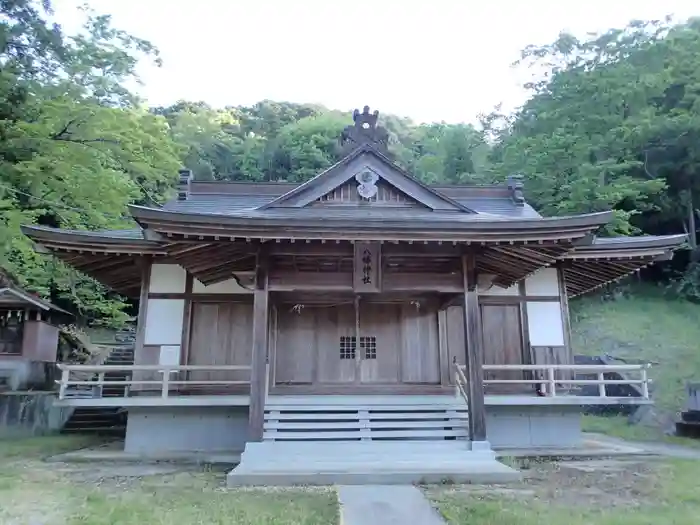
(164, 321)
(545, 323)
(228, 286)
(544, 282)
(169, 355)
(167, 278)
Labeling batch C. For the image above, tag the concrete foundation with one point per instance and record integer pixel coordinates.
(527, 427)
(24, 375)
(159, 430)
(31, 414)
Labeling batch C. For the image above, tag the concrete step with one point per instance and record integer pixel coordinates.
(281, 463)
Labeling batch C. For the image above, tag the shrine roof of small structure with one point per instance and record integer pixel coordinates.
(13, 296)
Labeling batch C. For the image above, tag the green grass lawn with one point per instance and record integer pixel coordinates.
(34, 492)
(645, 325)
(652, 493)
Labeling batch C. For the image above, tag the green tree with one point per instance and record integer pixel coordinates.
(75, 147)
(612, 123)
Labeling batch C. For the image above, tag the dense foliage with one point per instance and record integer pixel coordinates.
(75, 147)
(612, 122)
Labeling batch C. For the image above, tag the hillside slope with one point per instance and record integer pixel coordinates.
(642, 324)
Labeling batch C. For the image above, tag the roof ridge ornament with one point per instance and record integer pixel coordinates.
(515, 185)
(184, 184)
(364, 131)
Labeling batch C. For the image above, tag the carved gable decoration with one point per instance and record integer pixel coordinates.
(367, 188)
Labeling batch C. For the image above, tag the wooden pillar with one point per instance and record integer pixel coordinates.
(474, 351)
(145, 264)
(261, 313)
(564, 302)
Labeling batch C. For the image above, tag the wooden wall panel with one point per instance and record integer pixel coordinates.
(503, 344)
(454, 319)
(553, 355)
(221, 335)
(420, 344)
(40, 342)
(296, 345)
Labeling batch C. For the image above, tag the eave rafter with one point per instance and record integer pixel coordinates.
(585, 275)
(606, 261)
(213, 262)
(513, 263)
(121, 273)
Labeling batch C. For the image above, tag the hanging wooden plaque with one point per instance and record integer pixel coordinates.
(367, 274)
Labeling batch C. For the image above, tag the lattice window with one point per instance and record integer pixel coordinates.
(347, 347)
(368, 345)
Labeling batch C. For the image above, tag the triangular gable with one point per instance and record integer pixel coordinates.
(384, 195)
(391, 184)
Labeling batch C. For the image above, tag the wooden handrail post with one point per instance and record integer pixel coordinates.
(100, 384)
(552, 382)
(645, 382)
(65, 376)
(165, 389)
(601, 386)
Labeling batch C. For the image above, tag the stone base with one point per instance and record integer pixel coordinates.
(367, 462)
(30, 414)
(528, 427)
(154, 431)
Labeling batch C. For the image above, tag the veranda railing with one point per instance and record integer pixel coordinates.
(549, 382)
(166, 382)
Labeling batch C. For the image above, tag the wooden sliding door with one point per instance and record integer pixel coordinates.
(380, 344)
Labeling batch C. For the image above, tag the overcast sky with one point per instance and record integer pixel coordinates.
(429, 60)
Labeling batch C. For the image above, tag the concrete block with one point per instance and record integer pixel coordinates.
(157, 430)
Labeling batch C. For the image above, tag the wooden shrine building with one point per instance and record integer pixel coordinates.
(29, 337)
(360, 309)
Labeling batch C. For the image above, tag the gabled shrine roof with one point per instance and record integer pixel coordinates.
(364, 196)
(228, 198)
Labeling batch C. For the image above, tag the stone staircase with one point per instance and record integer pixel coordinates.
(370, 422)
(105, 420)
(366, 440)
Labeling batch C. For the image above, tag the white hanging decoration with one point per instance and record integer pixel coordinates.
(367, 187)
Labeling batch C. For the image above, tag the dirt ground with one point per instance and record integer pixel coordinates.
(606, 491)
(580, 483)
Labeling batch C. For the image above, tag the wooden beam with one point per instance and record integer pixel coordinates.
(474, 351)
(186, 321)
(146, 263)
(451, 300)
(564, 301)
(151, 235)
(261, 313)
